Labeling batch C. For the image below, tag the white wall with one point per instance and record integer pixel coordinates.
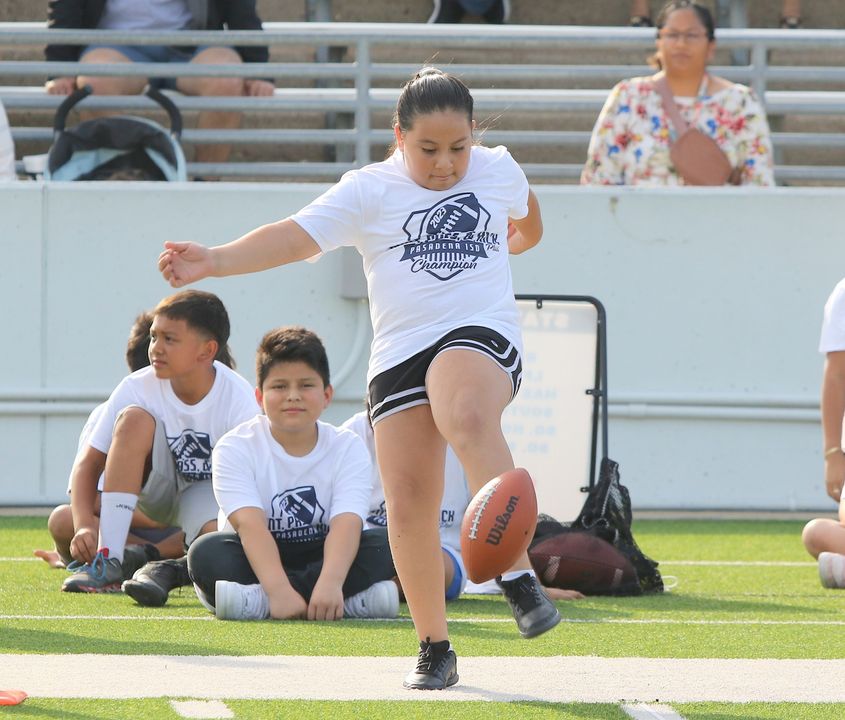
(714, 301)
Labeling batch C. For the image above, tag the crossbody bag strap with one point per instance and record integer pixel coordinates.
(662, 87)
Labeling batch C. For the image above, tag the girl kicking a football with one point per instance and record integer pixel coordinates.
(434, 223)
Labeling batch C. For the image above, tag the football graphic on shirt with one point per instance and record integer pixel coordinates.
(449, 237)
(459, 213)
(192, 452)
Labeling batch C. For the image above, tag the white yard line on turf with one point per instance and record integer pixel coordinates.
(642, 711)
(473, 620)
(502, 679)
(201, 709)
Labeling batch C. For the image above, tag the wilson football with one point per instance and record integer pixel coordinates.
(498, 525)
(581, 561)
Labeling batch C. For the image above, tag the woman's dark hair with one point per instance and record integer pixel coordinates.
(431, 90)
(705, 17)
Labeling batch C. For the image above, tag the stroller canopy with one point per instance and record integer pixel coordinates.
(117, 147)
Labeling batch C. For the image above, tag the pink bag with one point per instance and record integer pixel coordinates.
(696, 157)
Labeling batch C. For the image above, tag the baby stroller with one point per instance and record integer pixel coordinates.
(118, 147)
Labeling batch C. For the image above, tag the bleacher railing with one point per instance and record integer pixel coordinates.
(361, 86)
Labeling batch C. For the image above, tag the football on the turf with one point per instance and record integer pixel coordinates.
(584, 562)
(498, 525)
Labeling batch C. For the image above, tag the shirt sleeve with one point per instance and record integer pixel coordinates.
(518, 189)
(233, 475)
(353, 479)
(833, 324)
(101, 434)
(604, 164)
(7, 149)
(334, 219)
(754, 143)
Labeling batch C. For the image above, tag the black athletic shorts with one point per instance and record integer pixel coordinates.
(403, 386)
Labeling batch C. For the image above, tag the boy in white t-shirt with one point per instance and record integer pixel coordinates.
(293, 494)
(148, 539)
(824, 538)
(153, 441)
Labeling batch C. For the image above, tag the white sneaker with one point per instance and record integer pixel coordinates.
(832, 570)
(377, 601)
(240, 602)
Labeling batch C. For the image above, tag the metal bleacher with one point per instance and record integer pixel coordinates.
(543, 110)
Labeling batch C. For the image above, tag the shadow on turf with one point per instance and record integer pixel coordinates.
(34, 641)
(31, 708)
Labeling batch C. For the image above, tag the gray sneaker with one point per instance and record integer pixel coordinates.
(377, 601)
(151, 584)
(233, 601)
(102, 575)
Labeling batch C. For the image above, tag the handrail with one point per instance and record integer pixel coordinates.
(361, 74)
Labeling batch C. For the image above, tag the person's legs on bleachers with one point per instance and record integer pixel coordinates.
(214, 87)
(640, 14)
(790, 14)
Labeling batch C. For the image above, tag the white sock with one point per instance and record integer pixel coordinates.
(116, 510)
(514, 574)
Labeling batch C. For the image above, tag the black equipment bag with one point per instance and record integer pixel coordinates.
(606, 512)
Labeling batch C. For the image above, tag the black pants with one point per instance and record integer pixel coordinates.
(220, 556)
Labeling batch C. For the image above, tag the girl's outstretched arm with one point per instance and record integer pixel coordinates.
(525, 233)
(265, 247)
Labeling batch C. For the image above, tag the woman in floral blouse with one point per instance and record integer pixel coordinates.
(631, 140)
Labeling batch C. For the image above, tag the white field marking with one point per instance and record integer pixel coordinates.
(21, 559)
(543, 679)
(704, 563)
(642, 711)
(452, 621)
(201, 709)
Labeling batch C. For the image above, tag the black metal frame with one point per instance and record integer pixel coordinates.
(599, 389)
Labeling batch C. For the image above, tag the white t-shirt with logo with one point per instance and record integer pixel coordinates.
(833, 326)
(434, 260)
(455, 490)
(191, 430)
(299, 495)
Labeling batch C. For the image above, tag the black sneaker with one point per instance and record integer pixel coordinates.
(136, 556)
(151, 584)
(533, 611)
(437, 667)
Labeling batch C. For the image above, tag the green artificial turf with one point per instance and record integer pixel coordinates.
(721, 608)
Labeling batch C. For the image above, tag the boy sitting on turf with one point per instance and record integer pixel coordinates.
(148, 540)
(295, 492)
(154, 441)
